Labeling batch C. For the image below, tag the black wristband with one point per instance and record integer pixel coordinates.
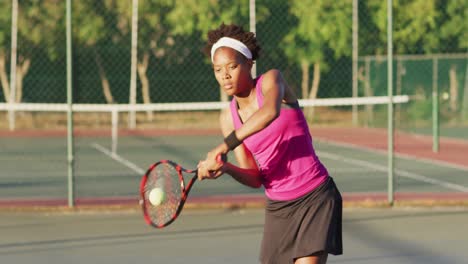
(232, 141)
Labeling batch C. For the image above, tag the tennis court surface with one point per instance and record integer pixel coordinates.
(34, 167)
(380, 236)
(223, 221)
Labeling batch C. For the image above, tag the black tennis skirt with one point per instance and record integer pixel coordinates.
(304, 226)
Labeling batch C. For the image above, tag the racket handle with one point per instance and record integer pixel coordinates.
(222, 158)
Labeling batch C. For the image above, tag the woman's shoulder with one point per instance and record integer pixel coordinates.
(271, 77)
(271, 74)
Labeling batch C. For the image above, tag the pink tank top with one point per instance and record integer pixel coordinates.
(284, 153)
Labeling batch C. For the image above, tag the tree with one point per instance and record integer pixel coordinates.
(321, 25)
(154, 36)
(193, 17)
(38, 25)
(414, 25)
(5, 36)
(425, 27)
(91, 26)
(453, 31)
(453, 28)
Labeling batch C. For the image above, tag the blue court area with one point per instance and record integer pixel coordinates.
(36, 168)
(371, 236)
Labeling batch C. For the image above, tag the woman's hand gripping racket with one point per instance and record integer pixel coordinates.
(163, 191)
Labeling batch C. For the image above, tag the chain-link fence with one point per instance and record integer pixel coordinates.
(147, 52)
(310, 41)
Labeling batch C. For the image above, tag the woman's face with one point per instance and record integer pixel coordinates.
(232, 71)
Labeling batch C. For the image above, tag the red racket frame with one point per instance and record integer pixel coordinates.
(184, 188)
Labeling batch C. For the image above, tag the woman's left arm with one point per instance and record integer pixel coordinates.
(273, 89)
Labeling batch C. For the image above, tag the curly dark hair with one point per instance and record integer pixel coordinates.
(235, 32)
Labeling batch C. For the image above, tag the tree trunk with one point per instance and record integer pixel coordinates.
(104, 81)
(305, 79)
(4, 77)
(314, 90)
(145, 90)
(453, 88)
(21, 71)
(368, 92)
(315, 82)
(400, 71)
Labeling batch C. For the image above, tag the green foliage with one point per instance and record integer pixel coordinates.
(189, 16)
(455, 25)
(88, 25)
(173, 32)
(321, 24)
(40, 23)
(153, 29)
(420, 110)
(5, 22)
(415, 24)
(423, 26)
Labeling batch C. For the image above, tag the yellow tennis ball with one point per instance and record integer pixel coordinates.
(156, 196)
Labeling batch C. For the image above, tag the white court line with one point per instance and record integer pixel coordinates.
(119, 159)
(353, 170)
(399, 155)
(398, 172)
(362, 163)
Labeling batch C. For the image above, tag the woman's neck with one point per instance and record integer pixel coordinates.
(247, 97)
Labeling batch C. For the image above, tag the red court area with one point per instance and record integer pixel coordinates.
(451, 151)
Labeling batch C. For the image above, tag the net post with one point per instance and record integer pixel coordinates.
(114, 129)
(435, 106)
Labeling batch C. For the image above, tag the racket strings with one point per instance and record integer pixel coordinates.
(165, 177)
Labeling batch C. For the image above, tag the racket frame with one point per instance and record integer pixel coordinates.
(185, 189)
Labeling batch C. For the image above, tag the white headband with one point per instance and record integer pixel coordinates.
(231, 43)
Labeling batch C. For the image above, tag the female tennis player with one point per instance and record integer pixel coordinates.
(266, 129)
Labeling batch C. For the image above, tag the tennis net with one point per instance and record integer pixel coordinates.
(174, 115)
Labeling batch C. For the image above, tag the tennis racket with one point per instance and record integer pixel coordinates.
(163, 191)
